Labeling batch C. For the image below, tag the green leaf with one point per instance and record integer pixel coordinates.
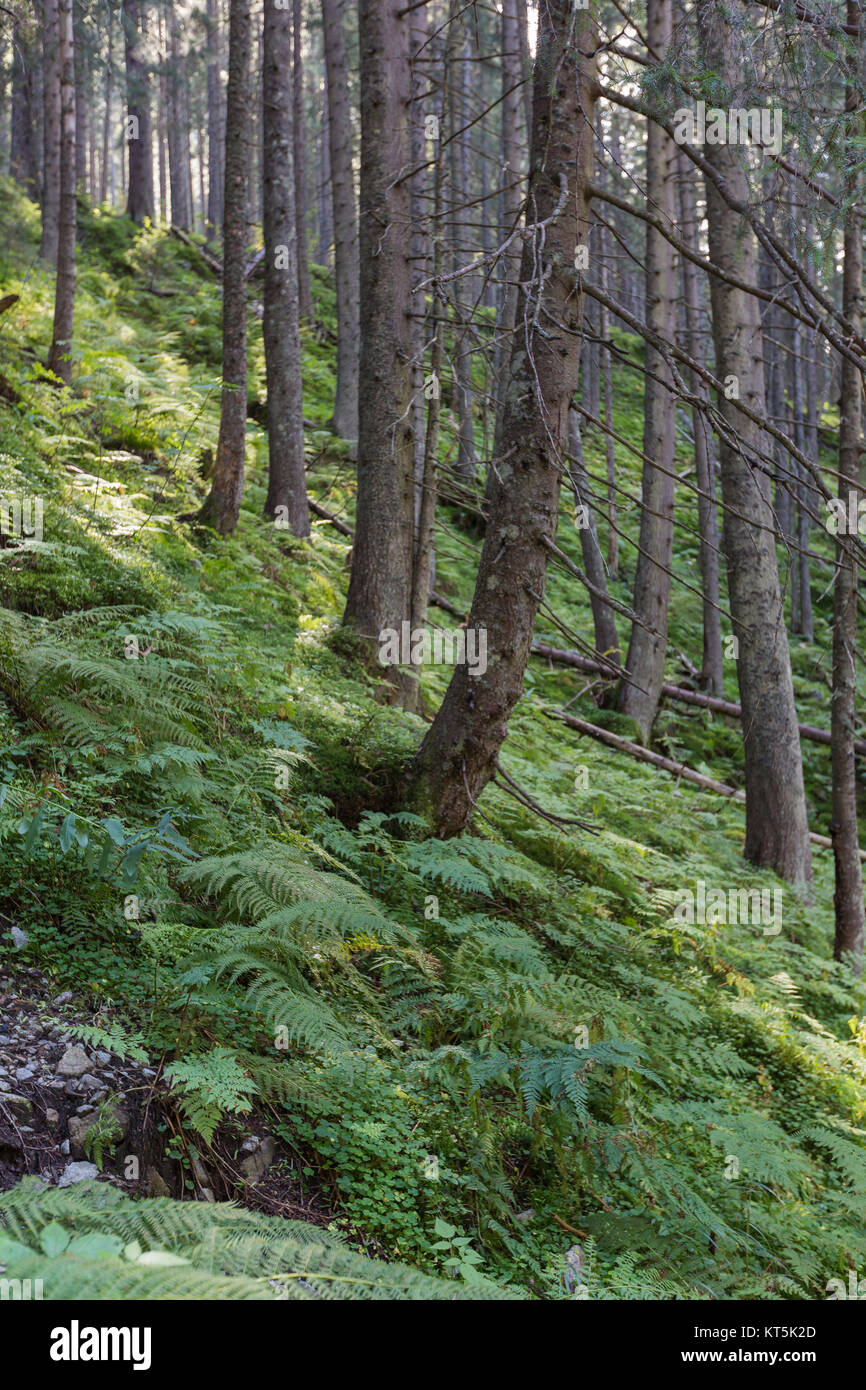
(53, 1239)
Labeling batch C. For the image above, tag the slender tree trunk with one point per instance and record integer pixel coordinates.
(647, 648)
(215, 124)
(178, 132)
(223, 504)
(848, 895)
(51, 123)
(305, 298)
(606, 638)
(777, 832)
(107, 152)
(82, 114)
(460, 751)
(346, 269)
(380, 587)
(60, 359)
(512, 190)
(287, 492)
(139, 203)
(22, 149)
(712, 674)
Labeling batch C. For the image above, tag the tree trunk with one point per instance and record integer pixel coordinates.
(139, 203)
(51, 123)
(647, 647)
(712, 674)
(60, 359)
(460, 751)
(606, 638)
(223, 504)
(178, 133)
(215, 124)
(305, 298)
(107, 151)
(848, 895)
(346, 268)
(22, 148)
(380, 587)
(287, 492)
(777, 834)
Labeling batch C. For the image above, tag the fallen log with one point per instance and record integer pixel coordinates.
(210, 261)
(680, 770)
(674, 692)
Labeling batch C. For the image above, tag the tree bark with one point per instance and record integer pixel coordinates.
(712, 673)
(51, 124)
(848, 894)
(107, 152)
(648, 643)
(460, 751)
(223, 504)
(178, 132)
(215, 124)
(60, 359)
(305, 297)
(346, 269)
(286, 479)
(23, 165)
(139, 203)
(380, 587)
(777, 834)
(606, 638)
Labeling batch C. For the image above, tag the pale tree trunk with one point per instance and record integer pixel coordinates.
(51, 121)
(82, 111)
(647, 647)
(60, 360)
(178, 133)
(287, 492)
(848, 895)
(22, 149)
(460, 751)
(222, 506)
(346, 269)
(107, 152)
(215, 124)
(606, 638)
(777, 832)
(380, 587)
(305, 298)
(512, 189)
(139, 202)
(462, 251)
(712, 674)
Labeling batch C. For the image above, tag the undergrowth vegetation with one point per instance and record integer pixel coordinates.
(477, 1052)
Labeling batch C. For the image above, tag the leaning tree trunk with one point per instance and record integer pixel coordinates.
(380, 587)
(647, 648)
(777, 831)
(51, 132)
(223, 503)
(139, 203)
(345, 232)
(60, 360)
(460, 751)
(848, 895)
(287, 490)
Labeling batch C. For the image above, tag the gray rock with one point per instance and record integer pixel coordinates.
(24, 1074)
(19, 1106)
(78, 1127)
(64, 998)
(52, 1117)
(19, 937)
(255, 1165)
(90, 1082)
(77, 1172)
(64, 1147)
(156, 1184)
(103, 1058)
(74, 1062)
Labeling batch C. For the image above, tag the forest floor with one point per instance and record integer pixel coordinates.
(505, 1059)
